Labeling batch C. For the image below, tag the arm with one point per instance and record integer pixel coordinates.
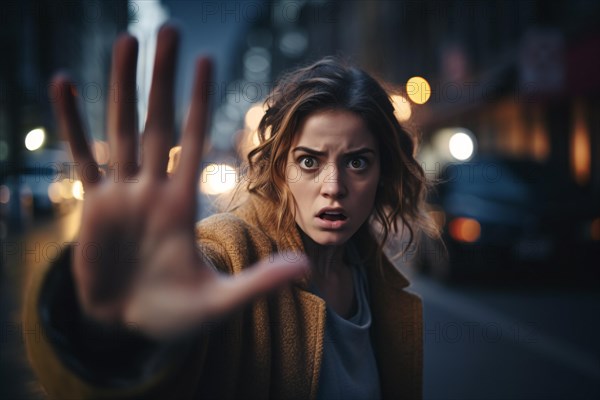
(76, 357)
(165, 289)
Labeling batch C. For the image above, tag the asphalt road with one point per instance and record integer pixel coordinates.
(510, 341)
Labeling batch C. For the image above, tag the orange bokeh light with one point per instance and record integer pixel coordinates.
(464, 229)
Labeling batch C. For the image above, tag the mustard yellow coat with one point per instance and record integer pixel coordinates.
(270, 349)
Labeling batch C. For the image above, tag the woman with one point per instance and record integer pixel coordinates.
(144, 305)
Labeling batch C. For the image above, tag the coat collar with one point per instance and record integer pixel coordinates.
(260, 212)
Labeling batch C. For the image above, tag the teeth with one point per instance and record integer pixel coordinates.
(332, 213)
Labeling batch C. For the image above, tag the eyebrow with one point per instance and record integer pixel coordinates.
(362, 150)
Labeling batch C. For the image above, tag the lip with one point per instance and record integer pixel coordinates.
(332, 209)
(325, 224)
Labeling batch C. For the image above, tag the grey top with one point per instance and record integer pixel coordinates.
(348, 369)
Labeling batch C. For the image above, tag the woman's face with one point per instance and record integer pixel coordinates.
(333, 172)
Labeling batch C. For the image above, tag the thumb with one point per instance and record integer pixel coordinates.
(266, 275)
(168, 311)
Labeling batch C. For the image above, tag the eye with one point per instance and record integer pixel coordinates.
(358, 163)
(308, 162)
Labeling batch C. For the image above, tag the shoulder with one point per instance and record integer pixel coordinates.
(227, 228)
(222, 224)
(232, 242)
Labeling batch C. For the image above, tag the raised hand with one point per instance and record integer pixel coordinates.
(136, 260)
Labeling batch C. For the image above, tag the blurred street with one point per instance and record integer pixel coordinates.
(503, 98)
(509, 342)
(21, 255)
(482, 341)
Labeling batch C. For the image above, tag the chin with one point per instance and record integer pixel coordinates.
(325, 238)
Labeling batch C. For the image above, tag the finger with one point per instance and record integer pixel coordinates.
(167, 312)
(195, 128)
(122, 134)
(71, 127)
(158, 134)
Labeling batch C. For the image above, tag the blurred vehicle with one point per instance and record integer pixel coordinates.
(42, 185)
(508, 215)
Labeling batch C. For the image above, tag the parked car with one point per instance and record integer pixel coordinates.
(508, 215)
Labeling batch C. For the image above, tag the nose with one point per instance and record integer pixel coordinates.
(332, 182)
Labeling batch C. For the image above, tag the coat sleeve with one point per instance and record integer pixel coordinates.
(75, 359)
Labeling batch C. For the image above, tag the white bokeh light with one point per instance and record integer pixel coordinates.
(77, 190)
(218, 178)
(253, 116)
(461, 146)
(35, 139)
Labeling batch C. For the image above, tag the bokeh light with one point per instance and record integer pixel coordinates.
(464, 229)
(253, 116)
(418, 90)
(35, 139)
(54, 192)
(101, 152)
(66, 189)
(174, 155)
(461, 146)
(218, 178)
(77, 190)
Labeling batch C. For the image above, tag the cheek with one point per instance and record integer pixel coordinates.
(368, 193)
(370, 184)
(304, 191)
(300, 192)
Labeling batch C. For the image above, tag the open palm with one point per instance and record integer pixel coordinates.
(136, 260)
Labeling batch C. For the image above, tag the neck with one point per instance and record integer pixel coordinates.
(324, 259)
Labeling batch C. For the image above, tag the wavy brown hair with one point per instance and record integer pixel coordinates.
(330, 84)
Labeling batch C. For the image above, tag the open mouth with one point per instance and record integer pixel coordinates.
(332, 216)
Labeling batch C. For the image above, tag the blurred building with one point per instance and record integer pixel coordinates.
(521, 75)
(38, 38)
(519, 80)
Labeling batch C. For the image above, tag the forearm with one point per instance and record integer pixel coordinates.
(76, 357)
